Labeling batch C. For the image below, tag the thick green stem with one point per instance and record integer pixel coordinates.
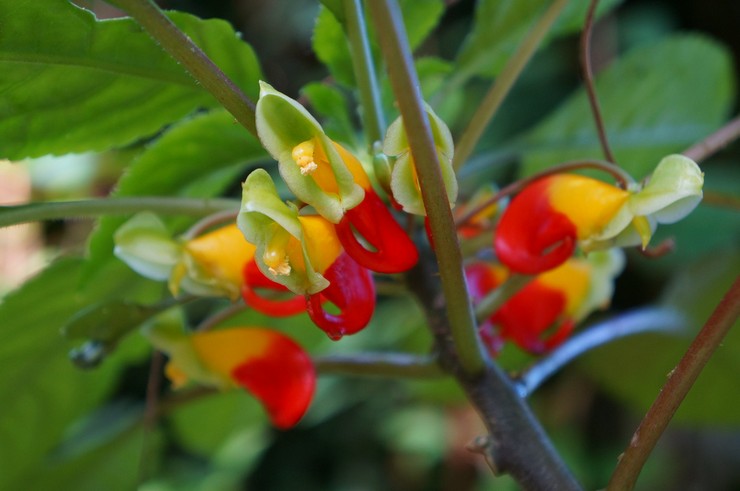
(680, 380)
(371, 112)
(34, 212)
(404, 80)
(380, 365)
(504, 82)
(195, 61)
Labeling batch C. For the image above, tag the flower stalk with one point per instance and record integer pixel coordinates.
(405, 85)
(195, 61)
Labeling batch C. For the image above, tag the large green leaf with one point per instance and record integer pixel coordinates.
(42, 393)
(657, 100)
(196, 158)
(500, 25)
(634, 369)
(330, 44)
(77, 84)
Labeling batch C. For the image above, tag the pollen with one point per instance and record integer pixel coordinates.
(303, 156)
(276, 254)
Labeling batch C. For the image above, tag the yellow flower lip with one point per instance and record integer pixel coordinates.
(303, 156)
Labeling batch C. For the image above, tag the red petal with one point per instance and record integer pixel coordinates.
(532, 237)
(283, 379)
(529, 314)
(254, 278)
(394, 251)
(352, 290)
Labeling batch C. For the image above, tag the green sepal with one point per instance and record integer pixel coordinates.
(673, 191)
(282, 124)
(263, 214)
(404, 183)
(145, 244)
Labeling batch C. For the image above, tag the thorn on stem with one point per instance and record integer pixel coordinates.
(484, 446)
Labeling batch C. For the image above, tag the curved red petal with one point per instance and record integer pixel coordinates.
(254, 278)
(283, 379)
(531, 236)
(529, 314)
(352, 290)
(394, 251)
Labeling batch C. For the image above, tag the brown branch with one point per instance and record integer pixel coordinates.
(588, 80)
(714, 142)
(679, 382)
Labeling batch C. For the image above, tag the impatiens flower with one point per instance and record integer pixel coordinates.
(404, 181)
(218, 263)
(546, 221)
(304, 254)
(323, 174)
(270, 365)
(542, 315)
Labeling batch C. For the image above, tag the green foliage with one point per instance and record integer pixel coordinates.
(645, 360)
(78, 84)
(330, 46)
(656, 100)
(42, 392)
(501, 24)
(198, 157)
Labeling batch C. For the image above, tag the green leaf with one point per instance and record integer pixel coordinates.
(78, 84)
(330, 43)
(634, 369)
(331, 104)
(657, 100)
(500, 25)
(42, 392)
(103, 453)
(198, 157)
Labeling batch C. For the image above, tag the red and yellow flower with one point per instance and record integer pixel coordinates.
(326, 176)
(268, 364)
(541, 316)
(304, 254)
(544, 223)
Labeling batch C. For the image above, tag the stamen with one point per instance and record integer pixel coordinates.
(276, 256)
(303, 156)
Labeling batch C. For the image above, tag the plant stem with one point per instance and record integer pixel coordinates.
(405, 85)
(588, 80)
(58, 210)
(640, 321)
(516, 444)
(494, 300)
(503, 84)
(680, 380)
(714, 142)
(371, 112)
(379, 365)
(196, 62)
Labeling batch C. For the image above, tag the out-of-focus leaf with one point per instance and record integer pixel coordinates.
(204, 425)
(79, 84)
(500, 25)
(196, 158)
(656, 100)
(42, 393)
(634, 369)
(331, 104)
(104, 452)
(330, 44)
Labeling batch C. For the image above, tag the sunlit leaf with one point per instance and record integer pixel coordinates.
(78, 84)
(656, 100)
(196, 158)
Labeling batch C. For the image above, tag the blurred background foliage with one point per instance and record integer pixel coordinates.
(668, 79)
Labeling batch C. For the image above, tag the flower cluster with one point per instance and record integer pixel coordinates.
(319, 251)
